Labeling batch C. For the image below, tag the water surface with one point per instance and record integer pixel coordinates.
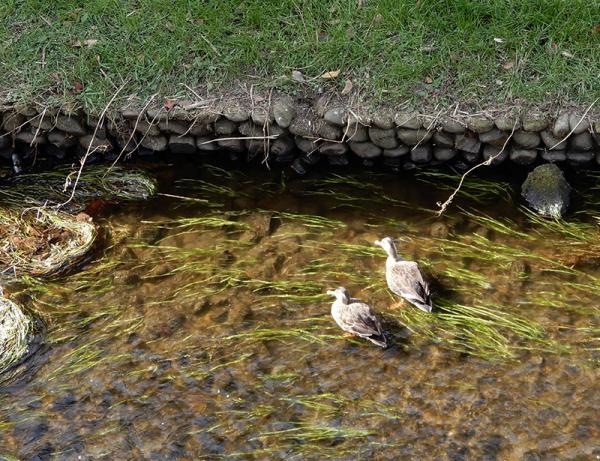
(201, 331)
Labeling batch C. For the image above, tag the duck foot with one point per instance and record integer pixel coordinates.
(396, 305)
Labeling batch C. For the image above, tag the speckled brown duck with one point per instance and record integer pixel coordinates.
(404, 278)
(356, 317)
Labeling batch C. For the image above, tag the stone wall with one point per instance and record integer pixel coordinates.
(284, 131)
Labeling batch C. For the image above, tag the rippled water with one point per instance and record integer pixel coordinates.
(201, 330)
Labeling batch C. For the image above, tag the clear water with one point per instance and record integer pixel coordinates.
(201, 329)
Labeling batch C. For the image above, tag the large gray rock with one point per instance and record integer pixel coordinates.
(480, 124)
(61, 140)
(385, 139)
(284, 112)
(333, 148)
(225, 126)
(154, 143)
(506, 122)
(306, 145)
(443, 139)
(535, 122)
(182, 144)
(414, 137)
(561, 125)
(552, 142)
(523, 156)
(234, 112)
(496, 153)
(70, 124)
(302, 126)
(262, 116)
(12, 121)
(578, 124)
(336, 116)
(579, 159)
(495, 137)
(408, 120)
(526, 139)
(383, 119)
(554, 156)
(365, 149)
(356, 133)
(421, 154)
(547, 191)
(282, 147)
(328, 131)
(206, 144)
(467, 144)
(396, 151)
(451, 125)
(443, 154)
(581, 142)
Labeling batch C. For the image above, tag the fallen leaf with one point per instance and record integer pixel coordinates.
(78, 87)
(89, 43)
(169, 104)
(428, 80)
(347, 87)
(566, 54)
(297, 76)
(498, 40)
(83, 217)
(331, 74)
(508, 65)
(596, 29)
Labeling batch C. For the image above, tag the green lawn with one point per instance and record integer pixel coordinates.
(482, 52)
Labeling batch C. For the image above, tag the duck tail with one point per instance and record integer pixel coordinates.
(379, 340)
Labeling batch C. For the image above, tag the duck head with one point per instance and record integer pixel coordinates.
(341, 294)
(387, 243)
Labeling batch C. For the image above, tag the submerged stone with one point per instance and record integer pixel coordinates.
(547, 191)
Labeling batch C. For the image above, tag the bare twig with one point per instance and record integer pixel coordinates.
(37, 131)
(578, 123)
(487, 162)
(132, 134)
(89, 149)
(273, 136)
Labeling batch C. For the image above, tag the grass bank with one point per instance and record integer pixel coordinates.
(480, 53)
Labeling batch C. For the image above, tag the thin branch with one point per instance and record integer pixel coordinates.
(273, 136)
(89, 149)
(487, 162)
(578, 123)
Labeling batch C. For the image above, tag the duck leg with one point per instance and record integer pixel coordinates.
(396, 305)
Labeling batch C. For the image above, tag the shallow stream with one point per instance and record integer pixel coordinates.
(200, 329)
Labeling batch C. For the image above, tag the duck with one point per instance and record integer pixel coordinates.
(356, 317)
(404, 278)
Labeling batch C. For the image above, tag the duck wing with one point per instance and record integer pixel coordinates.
(360, 319)
(406, 280)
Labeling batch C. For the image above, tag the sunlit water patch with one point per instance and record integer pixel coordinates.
(202, 331)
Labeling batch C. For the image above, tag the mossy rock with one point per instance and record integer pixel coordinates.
(547, 191)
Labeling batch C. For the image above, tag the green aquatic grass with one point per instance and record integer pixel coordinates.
(428, 53)
(474, 188)
(55, 188)
(501, 225)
